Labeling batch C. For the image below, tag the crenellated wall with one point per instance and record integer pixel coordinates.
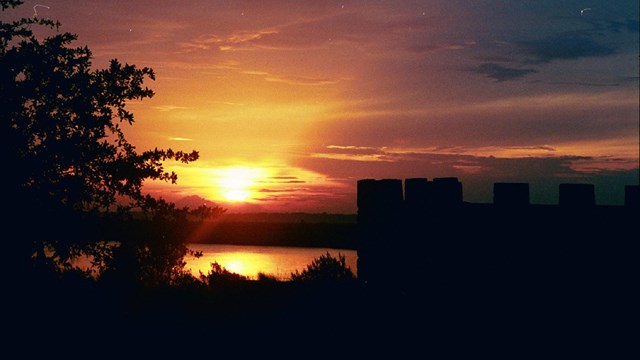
(422, 230)
(511, 194)
(577, 195)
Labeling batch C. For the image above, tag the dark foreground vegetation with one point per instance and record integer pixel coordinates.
(220, 308)
(226, 314)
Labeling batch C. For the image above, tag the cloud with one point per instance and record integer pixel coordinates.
(568, 38)
(224, 42)
(354, 150)
(500, 161)
(502, 73)
(482, 151)
(180, 139)
(291, 80)
(566, 46)
(604, 164)
(306, 32)
(616, 26)
(165, 108)
(276, 191)
(586, 84)
(352, 157)
(349, 27)
(283, 180)
(300, 34)
(550, 118)
(479, 172)
(353, 153)
(284, 177)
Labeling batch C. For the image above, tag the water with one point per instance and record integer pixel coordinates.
(275, 261)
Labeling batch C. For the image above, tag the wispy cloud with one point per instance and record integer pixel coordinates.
(585, 84)
(283, 177)
(351, 147)
(603, 164)
(166, 108)
(180, 139)
(291, 80)
(468, 169)
(283, 180)
(353, 153)
(224, 42)
(501, 161)
(357, 155)
(308, 32)
(569, 38)
(473, 160)
(510, 152)
(502, 73)
(566, 46)
(352, 157)
(394, 153)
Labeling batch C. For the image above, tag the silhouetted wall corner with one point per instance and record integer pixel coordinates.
(511, 194)
(380, 210)
(577, 195)
(417, 191)
(632, 196)
(366, 194)
(379, 199)
(446, 191)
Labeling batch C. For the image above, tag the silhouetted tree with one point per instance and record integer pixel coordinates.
(67, 157)
(325, 269)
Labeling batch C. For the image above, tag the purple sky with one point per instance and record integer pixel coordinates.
(299, 99)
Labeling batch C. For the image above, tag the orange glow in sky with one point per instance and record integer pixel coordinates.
(289, 103)
(238, 183)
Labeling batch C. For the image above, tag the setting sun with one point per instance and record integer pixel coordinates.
(235, 266)
(237, 183)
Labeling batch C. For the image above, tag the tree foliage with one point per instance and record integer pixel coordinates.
(67, 152)
(64, 122)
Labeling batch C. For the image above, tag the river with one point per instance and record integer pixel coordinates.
(249, 261)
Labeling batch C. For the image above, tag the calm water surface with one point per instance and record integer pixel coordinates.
(271, 260)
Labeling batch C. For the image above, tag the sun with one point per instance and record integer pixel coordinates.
(236, 195)
(235, 266)
(237, 184)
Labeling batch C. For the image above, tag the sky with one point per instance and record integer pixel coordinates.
(291, 102)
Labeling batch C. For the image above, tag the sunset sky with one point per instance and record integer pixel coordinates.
(291, 102)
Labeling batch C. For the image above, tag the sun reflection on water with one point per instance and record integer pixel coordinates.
(250, 261)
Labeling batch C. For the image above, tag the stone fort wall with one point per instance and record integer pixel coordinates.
(420, 230)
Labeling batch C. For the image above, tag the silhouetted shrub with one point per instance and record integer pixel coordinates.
(220, 275)
(325, 269)
(266, 277)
